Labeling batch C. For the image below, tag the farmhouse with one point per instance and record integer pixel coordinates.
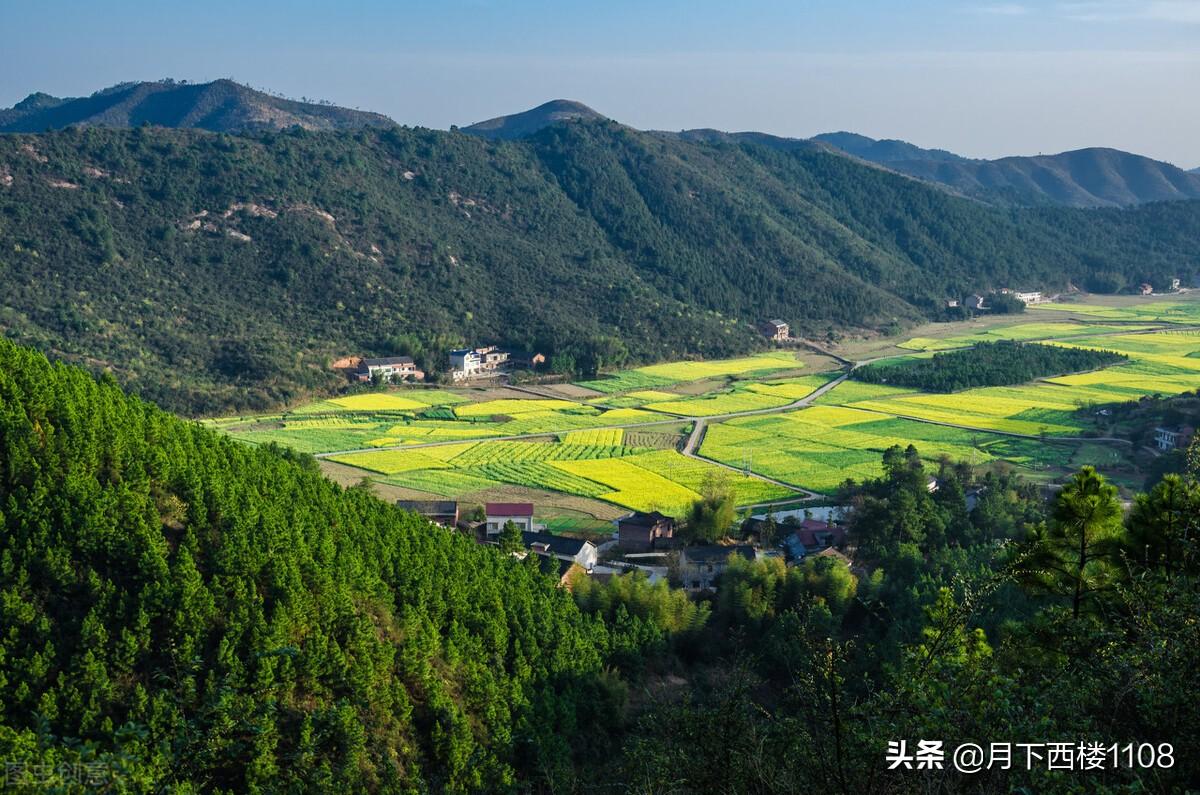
(1169, 439)
(474, 362)
(391, 368)
(976, 302)
(1146, 289)
(526, 361)
(443, 512)
(1175, 283)
(775, 330)
(639, 531)
(811, 537)
(467, 363)
(700, 567)
(501, 513)
(570, 550)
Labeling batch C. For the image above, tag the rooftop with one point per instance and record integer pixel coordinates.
(509, 508)
(644, 519)
(385, 361)
(716, 553)
(557, 545)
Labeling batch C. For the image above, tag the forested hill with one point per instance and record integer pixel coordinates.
(221, 106)
(211, 271)
(193, 614)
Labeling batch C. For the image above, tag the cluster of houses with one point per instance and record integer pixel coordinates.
(978, 303)
(1145, 288)
(465, 364)
(643, 541)
(490, 361)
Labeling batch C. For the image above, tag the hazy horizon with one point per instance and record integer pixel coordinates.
(979, 79)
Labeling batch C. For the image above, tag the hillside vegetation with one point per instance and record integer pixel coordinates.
(1000, 363)
(213, 272)
(220, 106)
(222, 618)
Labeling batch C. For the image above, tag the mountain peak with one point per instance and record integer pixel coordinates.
(220, 106)
(520, 125)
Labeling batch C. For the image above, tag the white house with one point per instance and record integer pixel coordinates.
(501, 513)
(471, 362)
(388, 368)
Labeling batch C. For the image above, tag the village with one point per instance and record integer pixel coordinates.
(648, 542)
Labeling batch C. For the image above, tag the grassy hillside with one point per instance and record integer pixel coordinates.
(213, 272)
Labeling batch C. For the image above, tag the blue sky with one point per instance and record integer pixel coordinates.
(984, 79)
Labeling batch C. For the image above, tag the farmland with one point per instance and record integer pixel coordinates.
(589, 463)
(817, 448)
(660, 375)
(618, 450)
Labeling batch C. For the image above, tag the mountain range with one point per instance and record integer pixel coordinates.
(1093, 177)
(216, 272)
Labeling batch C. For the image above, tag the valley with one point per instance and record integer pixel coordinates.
(777, 429)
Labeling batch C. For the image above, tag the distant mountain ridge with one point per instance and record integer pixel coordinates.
(217, 106)
(520, 125)
(885, 151)
(1092, 177)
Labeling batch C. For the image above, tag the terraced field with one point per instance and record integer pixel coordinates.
(389, 419)
(637, 478)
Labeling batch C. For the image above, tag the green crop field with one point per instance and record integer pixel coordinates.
(379, 419)
(585, 465)
(1019, 332)
(818, 448)
(1160, 363)
(1155, 311)
(443, 442)
(724, 403)
(658, 375)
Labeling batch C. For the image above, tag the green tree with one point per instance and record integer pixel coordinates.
(1164, 527)
(711, 516)
(510, 539)
(1074, 555)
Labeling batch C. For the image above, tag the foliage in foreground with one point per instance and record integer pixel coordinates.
(213, 617)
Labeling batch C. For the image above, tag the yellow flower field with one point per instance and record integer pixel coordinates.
(378, 401)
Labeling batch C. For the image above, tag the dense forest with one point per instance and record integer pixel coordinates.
(182, 612)
(189, 613)
(987, 364)
(211, 272)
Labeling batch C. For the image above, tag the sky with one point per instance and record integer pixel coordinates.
(984, 79)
